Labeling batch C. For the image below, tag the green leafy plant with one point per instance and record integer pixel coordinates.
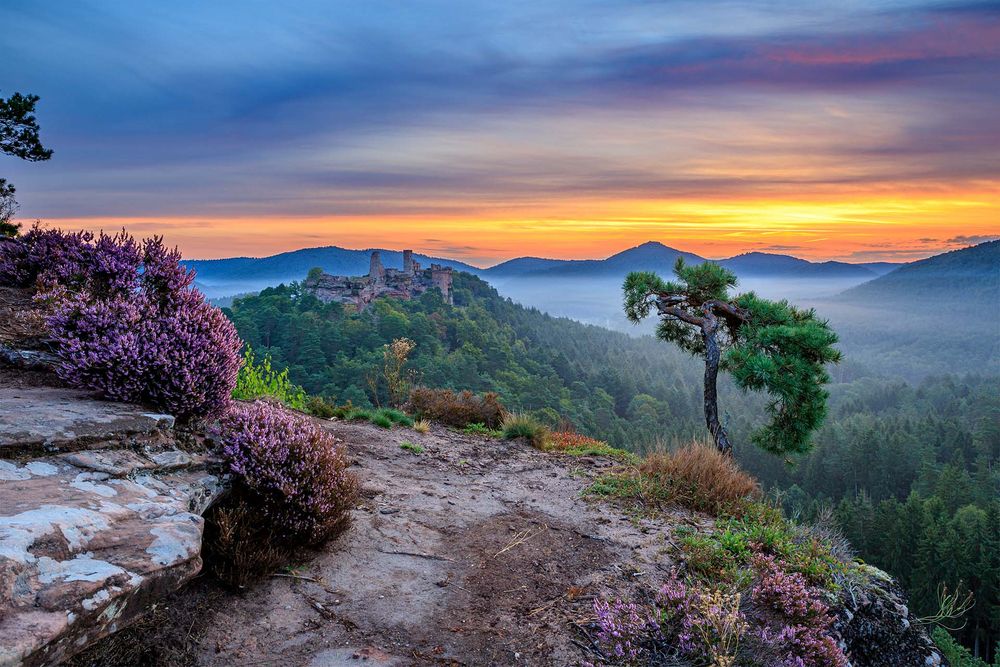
(479, 428)
(257, 379)
(411, 447)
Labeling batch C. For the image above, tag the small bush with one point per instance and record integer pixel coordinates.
(240, 549)
(318, 406)
(699, 477)
(259, 380)
(422, 426)
(459, 410)
(291, 470)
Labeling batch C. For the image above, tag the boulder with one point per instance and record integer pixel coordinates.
(90, 537)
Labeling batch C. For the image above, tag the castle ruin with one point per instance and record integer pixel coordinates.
(360, 291)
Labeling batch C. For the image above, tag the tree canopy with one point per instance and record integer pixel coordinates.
(767, 346)
(18, 137)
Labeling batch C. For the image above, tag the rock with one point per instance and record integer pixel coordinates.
(876, 628)
(89, 538)
(36, 420)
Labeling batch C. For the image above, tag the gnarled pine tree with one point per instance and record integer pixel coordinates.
(18, 137)
(765, 345)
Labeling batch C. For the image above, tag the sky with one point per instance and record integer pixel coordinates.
(484, 130)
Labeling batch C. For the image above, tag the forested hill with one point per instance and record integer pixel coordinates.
(958, 278)
(623, 389)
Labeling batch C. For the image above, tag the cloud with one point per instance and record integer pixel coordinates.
(972, 240)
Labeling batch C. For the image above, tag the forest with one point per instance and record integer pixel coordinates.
(908, 471)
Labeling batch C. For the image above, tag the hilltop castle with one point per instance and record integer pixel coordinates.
(380, 281)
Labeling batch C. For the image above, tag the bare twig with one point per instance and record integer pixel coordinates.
(417, 555)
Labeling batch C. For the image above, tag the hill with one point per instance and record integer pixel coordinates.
(772, 265)
(969, 275)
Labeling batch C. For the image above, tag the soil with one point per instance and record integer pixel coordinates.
(474, 552)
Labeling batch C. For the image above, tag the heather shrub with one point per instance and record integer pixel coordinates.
(239, 549)
(701, 478)
(456, 409)
(259, 380)
(125, 320)
(294, 472)
(795, 627)
(624, 630)
(525, 426)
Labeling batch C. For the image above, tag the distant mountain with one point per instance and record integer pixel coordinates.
(223, 277)
(881, 268)
(784, 266)
(650, 256)
(969, 275)
(654, 256)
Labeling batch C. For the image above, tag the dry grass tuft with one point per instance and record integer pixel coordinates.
(700, 478)
(421, 426)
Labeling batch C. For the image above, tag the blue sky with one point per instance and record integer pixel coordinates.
(182, 117)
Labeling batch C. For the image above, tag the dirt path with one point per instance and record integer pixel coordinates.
(475, 552)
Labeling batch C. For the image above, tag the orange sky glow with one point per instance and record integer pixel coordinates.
(885, 228)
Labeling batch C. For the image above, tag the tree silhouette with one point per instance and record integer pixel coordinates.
(765, 345)
(18, 137)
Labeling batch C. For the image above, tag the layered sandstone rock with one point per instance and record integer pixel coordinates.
(100, 514)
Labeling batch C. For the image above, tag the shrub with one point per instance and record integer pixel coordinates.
(240, 549)
(126, 322)
(290, 469)
(701, 478)
(422, 426)
(318, 406)
(624, 629)
(525, 426)
(460, 410)
(798, 632)
(260, 380)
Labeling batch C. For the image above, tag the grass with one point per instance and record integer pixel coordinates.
(520, 425)
(481, 429)
(411, 447)
(383, 417)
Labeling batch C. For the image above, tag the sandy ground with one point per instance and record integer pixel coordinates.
(474, 552)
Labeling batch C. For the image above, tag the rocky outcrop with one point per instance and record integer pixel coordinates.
(100, 514)
(876, 627)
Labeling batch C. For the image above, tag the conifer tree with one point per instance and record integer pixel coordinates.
(18, 137)
(765, 345)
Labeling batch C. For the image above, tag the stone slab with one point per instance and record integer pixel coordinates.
(36, 419)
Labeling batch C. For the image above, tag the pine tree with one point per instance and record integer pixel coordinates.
(18, 137)
(765, 345)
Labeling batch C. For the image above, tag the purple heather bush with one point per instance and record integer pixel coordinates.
(126, 320)
(625, 629)
(797, 629)
(293, 471)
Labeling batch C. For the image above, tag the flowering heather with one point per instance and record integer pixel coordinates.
(126, 321)
(798, 631)
(624, 629)
(703, 623)
(294, 471)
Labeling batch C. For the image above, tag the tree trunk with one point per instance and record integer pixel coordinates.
(711, 392)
